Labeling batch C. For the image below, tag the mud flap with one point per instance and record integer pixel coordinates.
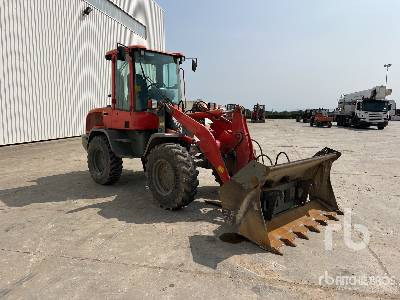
(272, 205)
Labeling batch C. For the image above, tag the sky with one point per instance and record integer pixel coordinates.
(286, 54)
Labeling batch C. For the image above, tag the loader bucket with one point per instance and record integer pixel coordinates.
(272, 205)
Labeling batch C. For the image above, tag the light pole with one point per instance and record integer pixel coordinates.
(387, 66)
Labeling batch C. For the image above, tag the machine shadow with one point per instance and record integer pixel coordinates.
(131, 202)
(357, 128)
(343, 127)
(129, 199)
(210, 250)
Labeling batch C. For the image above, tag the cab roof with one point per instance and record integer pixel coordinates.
(132, 47)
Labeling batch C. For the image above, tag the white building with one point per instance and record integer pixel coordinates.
(52, 66)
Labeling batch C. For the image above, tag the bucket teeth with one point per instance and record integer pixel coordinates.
(321, 222)
(331, 216)
(297, 224)
(312, 225)
(299, 230)
(275, 245)
(318, 215)
(283, 236)
(313, 228)
(275, 250)
(301, 234)
(288, 242)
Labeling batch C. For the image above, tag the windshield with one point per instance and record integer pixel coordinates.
(375, 105)
(323, 112)
(156, 77)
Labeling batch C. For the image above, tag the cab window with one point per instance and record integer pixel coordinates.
(122, 76)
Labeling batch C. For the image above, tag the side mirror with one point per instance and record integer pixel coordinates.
(194, 64)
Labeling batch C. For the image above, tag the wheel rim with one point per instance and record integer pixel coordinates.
(98, 161)
(164, 177)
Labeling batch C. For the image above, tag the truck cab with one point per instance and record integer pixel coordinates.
(372, 112)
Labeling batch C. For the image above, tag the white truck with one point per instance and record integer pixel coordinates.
(365, 108)
(394, 113)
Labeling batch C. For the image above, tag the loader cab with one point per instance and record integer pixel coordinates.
(140, 79)
(156, 78)
(230, 107)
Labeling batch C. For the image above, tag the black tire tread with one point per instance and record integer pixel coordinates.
(115, 171)
(188, 173)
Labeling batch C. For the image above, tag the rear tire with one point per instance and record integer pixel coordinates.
(104, 166)
(171, 175)
(339, 121)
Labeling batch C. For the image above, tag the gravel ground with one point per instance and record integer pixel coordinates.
(63, 236)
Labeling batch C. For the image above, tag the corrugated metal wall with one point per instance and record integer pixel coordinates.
(52, 66)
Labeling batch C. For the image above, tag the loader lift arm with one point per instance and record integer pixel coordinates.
(207, 143)
(225, 136)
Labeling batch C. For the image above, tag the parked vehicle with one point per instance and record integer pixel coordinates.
(320, 118)
(229, 108)
(394, 113)
(270, 205)
(365, 108)
(258, 114)
(305, 117)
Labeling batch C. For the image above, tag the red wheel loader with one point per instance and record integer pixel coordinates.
(229, 111)
(320, 118)
(258, 114)
(269, 205)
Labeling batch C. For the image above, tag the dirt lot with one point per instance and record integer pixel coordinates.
(63, 236)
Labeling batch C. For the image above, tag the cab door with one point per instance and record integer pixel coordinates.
(122, 92)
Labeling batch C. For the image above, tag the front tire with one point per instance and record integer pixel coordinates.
(104, 166)
(381, 127)
(171, 176)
